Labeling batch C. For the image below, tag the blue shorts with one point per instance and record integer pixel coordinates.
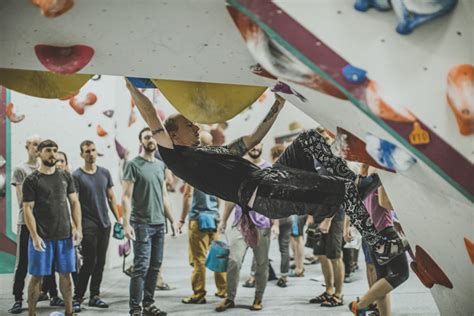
(58, 252)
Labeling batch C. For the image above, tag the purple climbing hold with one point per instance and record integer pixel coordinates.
(108, 113)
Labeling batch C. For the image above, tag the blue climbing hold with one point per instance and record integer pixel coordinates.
(387, 154)
(379, 5)
(143, 83)
(354, 74)
(411, 15)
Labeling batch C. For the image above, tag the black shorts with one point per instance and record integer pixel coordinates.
(330, 244)
(396, 271)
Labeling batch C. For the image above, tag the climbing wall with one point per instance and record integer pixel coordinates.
(403, 92)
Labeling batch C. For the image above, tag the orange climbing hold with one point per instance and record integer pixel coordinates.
(470, 248)
(64, 60)
(13, 117)
(53, 8)
(381, 108)
(418, 135)
(100, 131)
(460, 95)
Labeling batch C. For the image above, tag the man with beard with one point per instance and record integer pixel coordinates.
(145, 208)
(290, 186)
(45, 195)
(95, 188)
(238, 246)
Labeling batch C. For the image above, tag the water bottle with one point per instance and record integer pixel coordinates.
(294, 225)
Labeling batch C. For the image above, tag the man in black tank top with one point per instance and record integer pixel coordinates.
(291, 186)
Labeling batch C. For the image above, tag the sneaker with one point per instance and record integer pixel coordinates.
(250, 283)
(164, 287)
(43, 297)
(194, 300)
(97, 302)
(282, 282)
(225, 305)
(136, 312)
(220, 295)
(257, 305)
(392, 248)
(76, 306)
(356, 310)
(152, 310)
(348, 278)
(56, 301)
(17, 308)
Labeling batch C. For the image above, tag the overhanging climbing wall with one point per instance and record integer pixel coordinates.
(407, 97)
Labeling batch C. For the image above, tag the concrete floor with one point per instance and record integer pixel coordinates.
(409, 299)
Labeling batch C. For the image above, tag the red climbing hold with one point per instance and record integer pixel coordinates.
(428, 271)
(64, 60)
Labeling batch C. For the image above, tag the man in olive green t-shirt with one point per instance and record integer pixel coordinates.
(145, 209)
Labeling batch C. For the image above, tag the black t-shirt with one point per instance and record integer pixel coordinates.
(211, 169)
(49, 192)
(92, 189)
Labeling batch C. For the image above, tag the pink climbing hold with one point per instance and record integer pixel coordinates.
(64, 60)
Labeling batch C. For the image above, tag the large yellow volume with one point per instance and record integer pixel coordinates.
(42, 84)
(207, 103)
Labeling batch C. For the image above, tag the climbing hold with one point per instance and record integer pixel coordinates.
(350, 147)
(460, 95)
(13, 117)
(64, 60)
(411, 13)
(143, 83)
(354, 74)
(53, 8)
(380, 5)
(381, 108)
(77, 106)
(470, 248)
(132, 118)
(286, 89)
(42, 84)
(418, 135)
(121, 151)
(387, 154)
(100, 131)
(277, 60)
(91, 99)
(203, 102)
(109, 113)
(427, 265)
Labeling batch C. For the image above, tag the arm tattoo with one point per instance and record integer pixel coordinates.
(238, 147)
(271, 114)
(156, 131)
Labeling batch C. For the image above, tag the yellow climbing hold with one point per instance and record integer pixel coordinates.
(42, 84)
(418, 135)
(207, 103)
